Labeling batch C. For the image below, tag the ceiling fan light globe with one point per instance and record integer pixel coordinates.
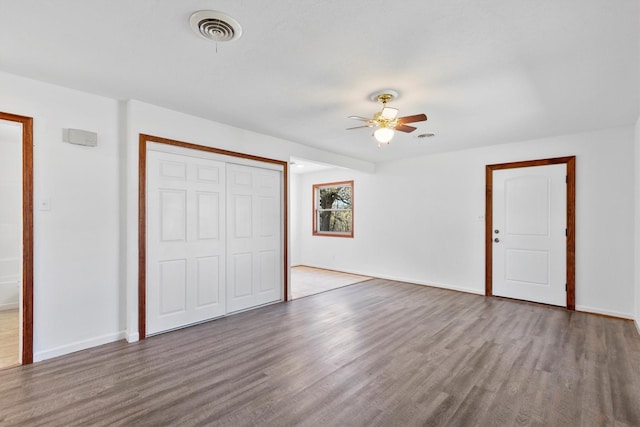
(389, 113)
(383, 135)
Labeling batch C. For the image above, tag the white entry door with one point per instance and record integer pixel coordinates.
(529, 233)
(254, 262)
(185, 240)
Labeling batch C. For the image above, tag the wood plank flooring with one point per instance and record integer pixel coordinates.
(307, 281)
(378, 353)
(9, 338)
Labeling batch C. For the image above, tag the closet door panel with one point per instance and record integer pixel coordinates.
(186, 248)
(254, 244)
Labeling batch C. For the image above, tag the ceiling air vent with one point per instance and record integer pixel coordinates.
(215, 26)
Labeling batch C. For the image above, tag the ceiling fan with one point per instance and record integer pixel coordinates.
(387, 121)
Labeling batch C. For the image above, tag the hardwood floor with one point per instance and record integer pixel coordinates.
(377, 353)
(307, 281)
(9, 338)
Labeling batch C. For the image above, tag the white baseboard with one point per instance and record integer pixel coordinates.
(637, 322)
(605, 312)
(77, 346)
(132, 337)
(470, 290)
(406, 280)
(10, 306)
(434, 284)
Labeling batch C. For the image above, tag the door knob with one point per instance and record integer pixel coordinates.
(496, 240)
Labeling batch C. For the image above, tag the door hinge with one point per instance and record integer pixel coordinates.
(566, 288)
(566, 231)
(566, 179)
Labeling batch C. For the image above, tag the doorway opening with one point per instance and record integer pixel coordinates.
(308, 278)
(527, 266)
(16, 240)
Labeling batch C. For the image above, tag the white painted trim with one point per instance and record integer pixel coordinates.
(439, 285)
(406, 280)
(586, 309)
(637, 323)
(9, 306)
(132, 337)
(77, 346)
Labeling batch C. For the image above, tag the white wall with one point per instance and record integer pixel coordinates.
(422, 220)
(85, 246)
(295, 218)
(85, 271)
(76, 287)
(10, 214)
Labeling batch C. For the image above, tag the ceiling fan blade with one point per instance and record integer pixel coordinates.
(360, 127)
(412, 119)
(405, 128)
(364, 119)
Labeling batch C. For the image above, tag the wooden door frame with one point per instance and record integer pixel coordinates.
(570, 161)
(142, 215)
(27, 233)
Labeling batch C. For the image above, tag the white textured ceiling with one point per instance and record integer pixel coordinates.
(484, 71)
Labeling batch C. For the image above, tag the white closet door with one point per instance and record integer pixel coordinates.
(254, 253)
(185, 240)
